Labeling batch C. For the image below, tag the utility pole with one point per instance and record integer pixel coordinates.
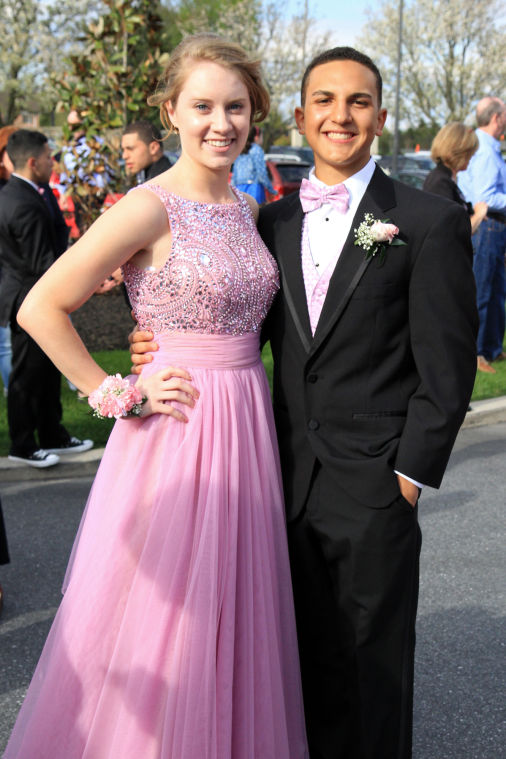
(397, 92)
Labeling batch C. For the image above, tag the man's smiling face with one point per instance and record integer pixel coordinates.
(340, 118)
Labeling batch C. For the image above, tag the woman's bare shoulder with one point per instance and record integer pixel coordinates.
(252, 204)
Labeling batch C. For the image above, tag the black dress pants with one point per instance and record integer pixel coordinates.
(33, 400)
(355, 578)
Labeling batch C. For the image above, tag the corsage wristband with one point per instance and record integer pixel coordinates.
(117, 398)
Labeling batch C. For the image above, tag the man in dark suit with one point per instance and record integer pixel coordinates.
(374, 364)
(142, 150)
(32, 235)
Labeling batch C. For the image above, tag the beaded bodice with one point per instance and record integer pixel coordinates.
(219, 278)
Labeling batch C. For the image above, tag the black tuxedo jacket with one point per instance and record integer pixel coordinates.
(31, 238)
(386, 380)
(156, 168)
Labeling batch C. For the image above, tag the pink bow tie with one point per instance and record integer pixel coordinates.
(313, 196)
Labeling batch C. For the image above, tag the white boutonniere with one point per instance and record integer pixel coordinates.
(374, 235)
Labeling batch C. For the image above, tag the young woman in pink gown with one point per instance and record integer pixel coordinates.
(175, 638)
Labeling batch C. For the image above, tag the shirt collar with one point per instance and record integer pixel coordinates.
(486, 137)
(356, 184)
(35, 186)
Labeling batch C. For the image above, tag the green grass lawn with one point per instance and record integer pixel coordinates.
(79, 421)
(77, 416)
(491, 385)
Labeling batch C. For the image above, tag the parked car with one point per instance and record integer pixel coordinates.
(403, 163)
(423, 159)
(413, 177)
(286, 176)
(304, 154)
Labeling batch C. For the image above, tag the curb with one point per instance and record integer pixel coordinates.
(70, 465)
(490, 411)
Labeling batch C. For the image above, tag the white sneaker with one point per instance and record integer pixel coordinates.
(74, 445)
(38, 459)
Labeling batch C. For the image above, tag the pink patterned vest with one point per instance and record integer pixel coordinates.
(316, 284)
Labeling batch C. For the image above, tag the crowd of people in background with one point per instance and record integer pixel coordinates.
(469, 170)
(485, 180)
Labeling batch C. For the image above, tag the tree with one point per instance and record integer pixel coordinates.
(284, 44)
(453, 54)
(274, 128)
(287, 46)
(35, 39)
(237, 20)
(107, 84)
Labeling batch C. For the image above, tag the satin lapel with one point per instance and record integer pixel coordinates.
(351, 266)
(288, 247)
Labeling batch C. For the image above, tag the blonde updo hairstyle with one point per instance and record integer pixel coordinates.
(216, 49)
(454, 145)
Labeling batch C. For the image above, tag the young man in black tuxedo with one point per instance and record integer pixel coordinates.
(32, 235)
(374, 364)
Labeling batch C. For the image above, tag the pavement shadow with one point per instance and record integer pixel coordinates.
(433, 501)
(459, 685)
(481, 449)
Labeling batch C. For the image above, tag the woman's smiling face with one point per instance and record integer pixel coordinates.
(212, 114)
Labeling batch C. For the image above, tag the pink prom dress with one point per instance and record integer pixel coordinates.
(175, 638)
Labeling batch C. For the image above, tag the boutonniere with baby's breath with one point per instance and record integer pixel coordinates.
(373, 236)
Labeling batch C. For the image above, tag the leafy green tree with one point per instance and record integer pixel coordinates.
(35, 39)
(107, 84)
(237, 20)
(275, 129)
(421, 135)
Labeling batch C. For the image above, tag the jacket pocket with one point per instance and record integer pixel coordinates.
(378, 414)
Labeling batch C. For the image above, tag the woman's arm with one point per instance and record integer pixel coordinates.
(136, 223)
(132, 224)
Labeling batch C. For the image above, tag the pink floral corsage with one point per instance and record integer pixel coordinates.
(373, 236)
(117, 398)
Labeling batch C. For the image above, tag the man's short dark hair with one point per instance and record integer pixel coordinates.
(24, 144)
(147, 131)
(342, 54)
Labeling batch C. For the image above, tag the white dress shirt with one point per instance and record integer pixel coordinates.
(326, 223)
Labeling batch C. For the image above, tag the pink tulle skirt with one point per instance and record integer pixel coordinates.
(176, 638)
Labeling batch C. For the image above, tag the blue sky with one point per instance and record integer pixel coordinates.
(344, 18)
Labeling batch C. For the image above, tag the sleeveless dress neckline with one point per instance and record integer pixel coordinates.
(161, 191)
(238, 197)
